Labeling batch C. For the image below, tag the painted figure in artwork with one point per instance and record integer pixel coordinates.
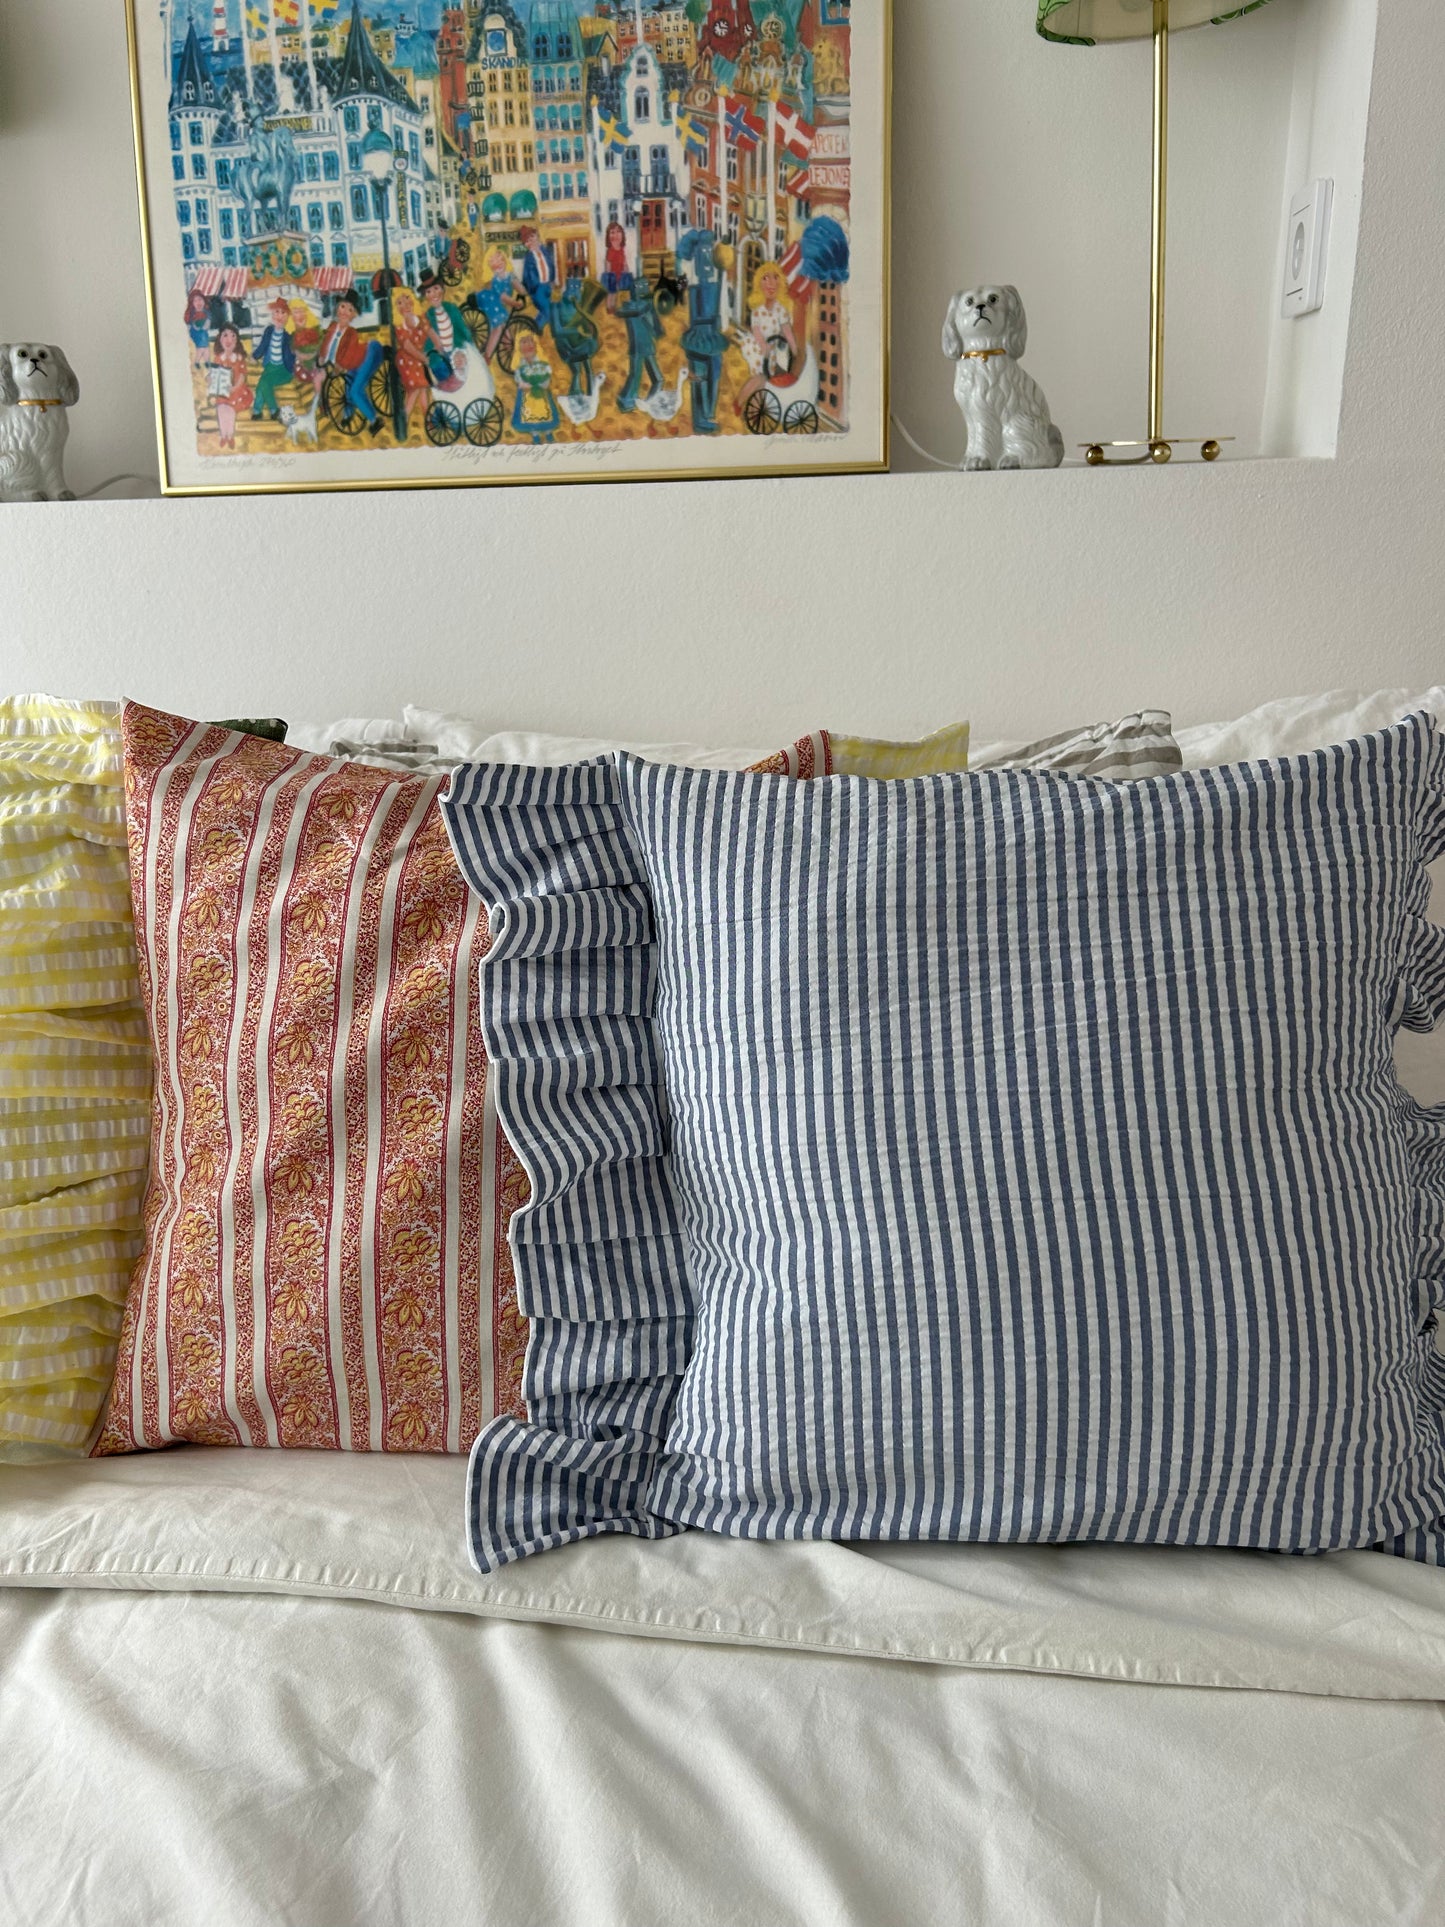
(705, 340)
(497, 295)
(411, 353)
(198, 326)
(770, 346)
(446, 331)
(534, 413)
(617, 276)
(343, 349)
(230, 382)
(575, 333)
(539, 273)
(644, 331)
(276, 352)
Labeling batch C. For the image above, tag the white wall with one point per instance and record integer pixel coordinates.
(890, 604)
(1329, 116)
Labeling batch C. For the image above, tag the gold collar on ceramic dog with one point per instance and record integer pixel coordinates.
(36, 401)
(982, 354)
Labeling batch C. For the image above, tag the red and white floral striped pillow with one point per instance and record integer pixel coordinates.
(326, 1261)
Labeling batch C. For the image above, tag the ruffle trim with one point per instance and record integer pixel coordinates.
(75, 1071)
(1420, 997)
(1420, 1007)
(1426, 1546)
(529, 1491)
(566, 1016)
(1422, 1001)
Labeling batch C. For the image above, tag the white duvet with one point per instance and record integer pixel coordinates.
(262, 1687)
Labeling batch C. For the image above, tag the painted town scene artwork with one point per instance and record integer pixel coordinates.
(410, 225)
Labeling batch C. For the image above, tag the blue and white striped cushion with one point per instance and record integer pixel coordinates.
(1005, 1157)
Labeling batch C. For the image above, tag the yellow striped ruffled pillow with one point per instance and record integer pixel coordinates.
(75, 1071)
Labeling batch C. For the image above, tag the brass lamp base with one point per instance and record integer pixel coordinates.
(1159, 450)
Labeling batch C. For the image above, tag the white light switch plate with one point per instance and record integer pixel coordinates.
(1306, 246)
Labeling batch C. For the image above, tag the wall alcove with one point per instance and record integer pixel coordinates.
(749, 611)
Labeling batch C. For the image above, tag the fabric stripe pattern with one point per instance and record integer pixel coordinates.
(75, 1074)
(602, 1270)
(1015, 1157)
(320, 1265)
(1133, 747)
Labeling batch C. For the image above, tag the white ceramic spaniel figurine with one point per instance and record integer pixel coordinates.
(37, 386)
(1004, 410)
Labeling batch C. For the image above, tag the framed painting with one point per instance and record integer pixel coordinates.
(401, 243)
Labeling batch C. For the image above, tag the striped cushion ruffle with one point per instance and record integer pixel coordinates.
(75, 1074)
(571, 979)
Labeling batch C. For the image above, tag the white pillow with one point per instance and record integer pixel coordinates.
(456, 739)
(317, 738)
(462, 741)
(1294, 724)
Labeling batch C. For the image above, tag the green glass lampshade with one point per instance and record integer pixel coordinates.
(1084, 23)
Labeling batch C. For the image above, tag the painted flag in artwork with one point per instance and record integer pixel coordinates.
(794, 133)
(612, 133)
(285, 13)
(744, 127)
(694, 134)
(792, 266)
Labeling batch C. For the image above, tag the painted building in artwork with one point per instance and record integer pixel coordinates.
(600, 38)
(441, 165)
(218, 120)
(454, 36)
(830, 192)
(499, 95)
(667, 28)
(728, 29)
(198, 119)
(369, 97)
(640, 157)
(707, 185)
(559, 120)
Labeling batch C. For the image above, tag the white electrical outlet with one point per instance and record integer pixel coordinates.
(1306, 246)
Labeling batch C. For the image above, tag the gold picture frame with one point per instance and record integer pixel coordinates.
(458, 356)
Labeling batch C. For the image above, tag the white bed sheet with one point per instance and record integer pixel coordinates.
(255, 1687)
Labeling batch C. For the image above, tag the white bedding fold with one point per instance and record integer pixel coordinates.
(389, 1529)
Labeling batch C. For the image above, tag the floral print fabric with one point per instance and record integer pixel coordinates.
(326, 1261)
